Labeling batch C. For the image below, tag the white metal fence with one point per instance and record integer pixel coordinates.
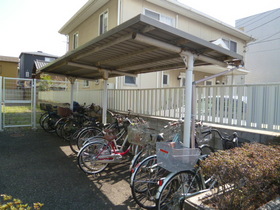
(250, 106)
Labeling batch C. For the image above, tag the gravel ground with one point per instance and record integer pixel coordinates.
(36, 166)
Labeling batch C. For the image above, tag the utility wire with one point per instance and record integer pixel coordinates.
(263, 24)
(263, 41)
(258, 17)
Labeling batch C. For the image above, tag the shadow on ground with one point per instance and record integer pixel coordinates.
(39, 167)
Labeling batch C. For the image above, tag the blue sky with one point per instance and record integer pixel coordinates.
(32, 25)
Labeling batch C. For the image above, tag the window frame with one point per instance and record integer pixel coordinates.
(167, 79)
(130, 84)
(229, 43)
(75, 40)
(161, 16)
(85, 83)
(102, 29)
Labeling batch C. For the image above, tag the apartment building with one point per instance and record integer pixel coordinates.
(97, 17)
(262, 55)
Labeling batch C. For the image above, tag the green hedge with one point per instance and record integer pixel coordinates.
(254, 172)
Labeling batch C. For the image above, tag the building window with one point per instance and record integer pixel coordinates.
(128, 80)
(165, 79)
(103, 23)
(75, 40)
(160, 17)
(183, 82)
(27, 74)
(86, 83)
(232, 45)
(49, 59)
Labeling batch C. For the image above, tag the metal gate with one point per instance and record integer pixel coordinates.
(18, 102)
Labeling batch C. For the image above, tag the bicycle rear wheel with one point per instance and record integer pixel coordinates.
(48, 123)
(42, 117)
(88, 157)
(59, 125)
(175, 189)
(144, 182)
(80, 137)
(69, 128)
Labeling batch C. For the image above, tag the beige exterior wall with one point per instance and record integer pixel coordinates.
(89, 29)
(181, 22)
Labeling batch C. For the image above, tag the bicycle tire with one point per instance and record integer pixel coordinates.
(144, 182)
(43, 115)
(80, 137)
(173, 192)
(206, 149)
(48, 123)
(69, 128)
(58, 126)
(88, 154)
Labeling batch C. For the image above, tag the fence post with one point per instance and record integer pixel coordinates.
(34, 104)
(1, 100)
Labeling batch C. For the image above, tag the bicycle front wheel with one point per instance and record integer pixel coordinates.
(89, 159)
(144, 182)
(206, 149)
(176, 187)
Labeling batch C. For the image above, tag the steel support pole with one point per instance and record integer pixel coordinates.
(105, 96)
(1, 100)
(72, 81)
(34, 103)
(193, 115)
(189, 62)
(105, 102)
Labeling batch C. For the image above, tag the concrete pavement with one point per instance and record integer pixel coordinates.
(36, 166)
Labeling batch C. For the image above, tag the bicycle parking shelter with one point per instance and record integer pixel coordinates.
(142, 45)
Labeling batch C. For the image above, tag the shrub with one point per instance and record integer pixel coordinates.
(7, 202)
(253, 171)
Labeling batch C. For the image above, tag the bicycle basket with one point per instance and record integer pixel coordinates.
(64, 112)
(175, 157)
(140, 134)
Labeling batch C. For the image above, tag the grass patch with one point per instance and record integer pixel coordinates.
(16, 109)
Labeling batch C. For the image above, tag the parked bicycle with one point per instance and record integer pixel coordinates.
(84, 134)
(100, 151)
(180, 184)
(148, 173)
(177, 186)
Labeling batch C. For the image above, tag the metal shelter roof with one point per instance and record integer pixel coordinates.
(122, 51)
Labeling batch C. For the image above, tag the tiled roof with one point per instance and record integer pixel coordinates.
(40, 63)
(40, 53)
(9, 59)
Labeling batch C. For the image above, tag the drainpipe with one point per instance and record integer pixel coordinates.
(119, 12)
(118, 23)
